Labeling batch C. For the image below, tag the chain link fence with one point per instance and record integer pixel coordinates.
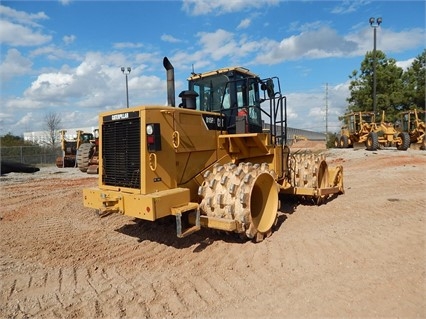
(32, 155)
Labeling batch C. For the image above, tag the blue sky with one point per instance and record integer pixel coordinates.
(65, 56)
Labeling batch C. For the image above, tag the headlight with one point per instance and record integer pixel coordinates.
(149, 129)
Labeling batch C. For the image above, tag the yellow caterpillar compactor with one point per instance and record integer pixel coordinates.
(210, 161)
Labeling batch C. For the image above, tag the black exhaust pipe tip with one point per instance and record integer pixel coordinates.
(170, 82)
(166, 63)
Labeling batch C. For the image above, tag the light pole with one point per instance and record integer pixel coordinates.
(374, 23)
(126, 71)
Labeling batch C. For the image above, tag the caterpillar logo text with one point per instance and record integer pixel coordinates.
(121, 116)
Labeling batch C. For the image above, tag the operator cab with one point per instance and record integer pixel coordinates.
(233, 92)
(86, 137)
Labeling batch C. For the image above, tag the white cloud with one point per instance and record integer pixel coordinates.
(196, 60)
(14, 64)
(405, 64)
(147, 61)
(25, 120)
(49, 88)
(52, 52)
(21, 17)
(96, 83)
(21, 103)
(218, 44)
(386, 40)
(245, 23)
(6, 120)
(169, 38)
(68, 39)
(349, 6)
(296, 26)
(218, 7)
(19, 28)
(321, 43)
(222, 44)
(65, 2)
(326, 42)
(127, 45)
(390, 41)
(19, 35)
(308, 110)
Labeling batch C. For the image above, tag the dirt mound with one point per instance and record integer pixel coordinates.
(308, 145)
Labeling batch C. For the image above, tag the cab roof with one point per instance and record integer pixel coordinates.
(239, 69)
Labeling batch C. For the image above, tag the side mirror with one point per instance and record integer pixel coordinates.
(268, 87)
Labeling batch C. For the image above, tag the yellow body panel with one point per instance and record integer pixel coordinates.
(216, 223)
(169, 177)
(148, 207)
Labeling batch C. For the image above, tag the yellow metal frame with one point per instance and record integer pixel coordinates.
(148, 207)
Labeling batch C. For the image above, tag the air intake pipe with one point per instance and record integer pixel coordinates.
(170, 82)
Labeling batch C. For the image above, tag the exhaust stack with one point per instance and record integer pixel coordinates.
(170, 82)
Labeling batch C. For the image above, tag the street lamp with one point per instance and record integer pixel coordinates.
(374, 23)
(126, 72)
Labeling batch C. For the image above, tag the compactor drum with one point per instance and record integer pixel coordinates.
(247, 194)
(209, 162)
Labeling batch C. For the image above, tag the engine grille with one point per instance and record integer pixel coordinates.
(121, 153)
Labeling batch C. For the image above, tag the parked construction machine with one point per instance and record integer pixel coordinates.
(361, 130)
(208, 162)
(88, 154)
(413, 122)
(69, 148)
(385, 134)
(355, 130)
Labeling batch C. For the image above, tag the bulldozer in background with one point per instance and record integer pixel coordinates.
(361, 130)
(69, 148)
(88, 154)
(208, 162)
(411, 122)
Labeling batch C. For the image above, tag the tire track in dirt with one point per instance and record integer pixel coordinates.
(339, 258)
(382, 215)
(199, 284)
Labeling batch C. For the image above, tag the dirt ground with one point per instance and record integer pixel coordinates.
(360, 255)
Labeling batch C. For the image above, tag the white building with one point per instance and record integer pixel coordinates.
(42, 137)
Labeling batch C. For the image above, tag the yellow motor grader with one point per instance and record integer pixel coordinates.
(208, 161)
(361, 130)
(385, 134)
(411, 122)
(355, 130)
